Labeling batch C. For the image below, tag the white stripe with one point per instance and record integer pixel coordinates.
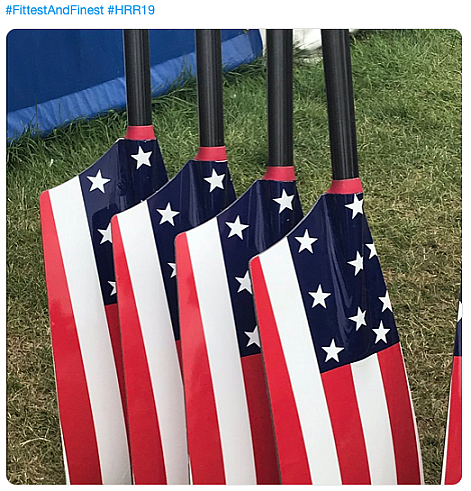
(375, 420)
(92, 329)
(64, 455)
(159, 341)
(298, 348)
(223, 352)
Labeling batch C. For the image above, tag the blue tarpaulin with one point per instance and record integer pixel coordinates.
(55, 76)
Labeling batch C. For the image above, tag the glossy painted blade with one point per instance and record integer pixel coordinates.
(230, 434)
(144, 254)
(338, 388)
(452, 460)
(81, 286)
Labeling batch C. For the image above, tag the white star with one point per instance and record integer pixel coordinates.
(98, 182)
(356, 206)
(359, 319)
(460, 311)
(215, 180)
(319, 297)
(372, 249)
(174, 271)
(245, 283)
(254, 337)
(332, 351)
(167, 215)
(381, 332)
(306, 241)
(236, 228)
(386, 302)
(357, 263)
(142, 158)
(113, 287)
(285, 201)
(106, 234)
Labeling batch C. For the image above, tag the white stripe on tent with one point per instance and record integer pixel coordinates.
(92, 329)
(223, 353)
(159, 341)
(303, 368)
(375, 420)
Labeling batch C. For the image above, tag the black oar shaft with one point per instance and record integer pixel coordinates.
(280, 97)
(137, 67)
(209, 81)
(340, 103)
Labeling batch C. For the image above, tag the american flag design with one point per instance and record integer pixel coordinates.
(339, 393)
(81, 287)
(452, 461)
(230, 434)
(144, 254)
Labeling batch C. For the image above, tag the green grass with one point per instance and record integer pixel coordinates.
(408, 108)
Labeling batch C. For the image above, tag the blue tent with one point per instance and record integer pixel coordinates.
(57, 75)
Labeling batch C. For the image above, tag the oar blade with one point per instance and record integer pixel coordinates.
(76, 231)
(144, 255)
(230, 432)
(338, 389)
(452, 461)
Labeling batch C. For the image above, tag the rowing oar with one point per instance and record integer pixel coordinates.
(452, 459)
(338, 388)
(230, 434)
(143, 246)
(81, 286)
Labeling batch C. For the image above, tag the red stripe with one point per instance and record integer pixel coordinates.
(346, 186)
(261, 424)
(179, 351)
(74, 403)
(294, 466)
(209, 154)
(146, 446)
(401, 415)
(140, 133)
(280, 174)
(454, 443)
(204, 440)
(345, 418)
